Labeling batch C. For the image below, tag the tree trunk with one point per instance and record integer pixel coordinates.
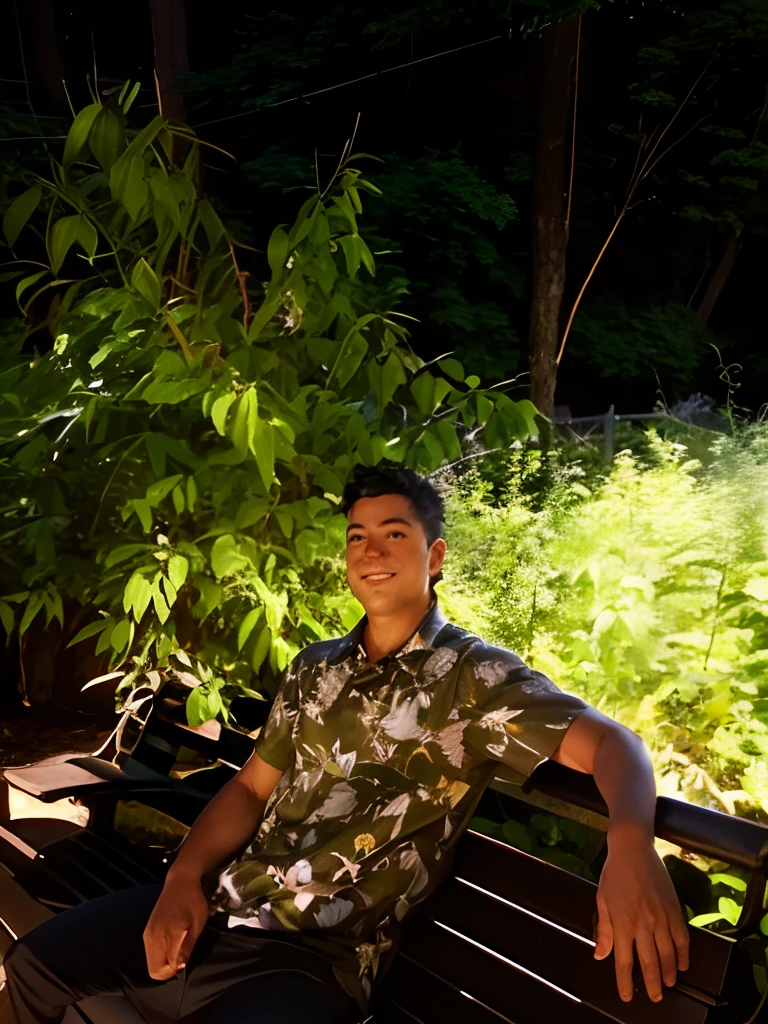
(50, 66)
(550, 234)
(169, 30)
(720, 276)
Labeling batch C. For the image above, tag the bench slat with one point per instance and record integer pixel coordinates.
(569, 901)
(511, 993)
(430, 998)
(552, 954)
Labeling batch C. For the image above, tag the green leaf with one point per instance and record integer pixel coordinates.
(34, 604)
(209, 599)
(144, 280)
(124, 551)
(352, 254)
(62, 237)
(178, 567)
(472, 381)
(158, 491)
(247, 626)
(90, 630)
(88, 237)
(226, 557)
(128, 185)
(277, 250)
(120, 634)
(77, 137)
(7, 618)
(730, 880)
(19, 212)
(392, 377)
(137, 595)
(453, 368)
(262, 444)
(242, 424)
(144, 512)
(158, 600)
(704, 919)
(27, 282)
(219, 411)
(729, 909)
(191, 494)
(261, 648)
(177, 494)
(212, 225)
(423, 390)
(107, 139)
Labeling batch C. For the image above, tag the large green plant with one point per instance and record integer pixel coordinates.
(646, 593)
(174, 463)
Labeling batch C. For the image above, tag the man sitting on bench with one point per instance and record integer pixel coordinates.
(376, 752)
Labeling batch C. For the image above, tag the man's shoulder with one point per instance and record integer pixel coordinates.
(320, 652)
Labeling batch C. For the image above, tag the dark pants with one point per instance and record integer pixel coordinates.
(232, 977)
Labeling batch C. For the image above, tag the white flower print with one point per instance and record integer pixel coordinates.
(401, 722)
(492, 672)
(333, 912)
(340, 802)
(439, 663)
(497, 718)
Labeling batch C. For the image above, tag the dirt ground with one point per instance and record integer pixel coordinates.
(29, 734)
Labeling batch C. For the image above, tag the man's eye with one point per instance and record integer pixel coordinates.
(399, 533)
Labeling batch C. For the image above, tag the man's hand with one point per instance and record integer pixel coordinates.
(174, 926)
(638, 909)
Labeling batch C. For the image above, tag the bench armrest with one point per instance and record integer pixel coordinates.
(710, 833)
(51, 782)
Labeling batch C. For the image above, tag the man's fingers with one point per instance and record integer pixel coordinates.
(682, 940)
(667, 954)
(603, 932)
(648, 956)
(155, 946)
(624, 959)
(175, 943)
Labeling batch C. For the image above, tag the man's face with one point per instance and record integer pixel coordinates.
(388, 560)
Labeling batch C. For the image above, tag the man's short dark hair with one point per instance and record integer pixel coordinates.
(391, 478)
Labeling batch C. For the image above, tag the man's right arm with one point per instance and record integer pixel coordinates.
(222, 829)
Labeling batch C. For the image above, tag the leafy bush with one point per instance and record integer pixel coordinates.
(174, 462)
(646, 593)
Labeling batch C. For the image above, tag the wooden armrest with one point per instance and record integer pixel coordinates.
(710, 833)
(51, 782)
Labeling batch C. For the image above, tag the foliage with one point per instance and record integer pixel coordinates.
(175, 461)
(646, 593)
(648, 342)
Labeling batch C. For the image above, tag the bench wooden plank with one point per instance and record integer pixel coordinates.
(552, 954)
(498, 984)
(569, 901)
(428, 997)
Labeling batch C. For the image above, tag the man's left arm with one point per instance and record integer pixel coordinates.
(636, 902)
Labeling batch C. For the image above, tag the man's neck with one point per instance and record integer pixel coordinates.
(386, 633)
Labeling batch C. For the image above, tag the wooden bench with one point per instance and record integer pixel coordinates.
(507, 938)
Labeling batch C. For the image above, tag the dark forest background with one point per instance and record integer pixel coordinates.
(506, 163)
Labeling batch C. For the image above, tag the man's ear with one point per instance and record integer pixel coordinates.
(437, 556)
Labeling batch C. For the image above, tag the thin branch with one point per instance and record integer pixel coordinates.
(573, 137)
(241, 276)
(639, 175)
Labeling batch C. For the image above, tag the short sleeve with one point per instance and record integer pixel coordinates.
(517, 715)
(275, 741)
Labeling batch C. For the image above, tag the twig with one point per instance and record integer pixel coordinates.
(241, 276)
(573, 137)
(638, 176)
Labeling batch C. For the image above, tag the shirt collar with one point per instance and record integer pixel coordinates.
(423, 637)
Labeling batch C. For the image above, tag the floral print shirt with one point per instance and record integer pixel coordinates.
(383, 765)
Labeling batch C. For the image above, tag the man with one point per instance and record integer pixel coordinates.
(376, 752)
